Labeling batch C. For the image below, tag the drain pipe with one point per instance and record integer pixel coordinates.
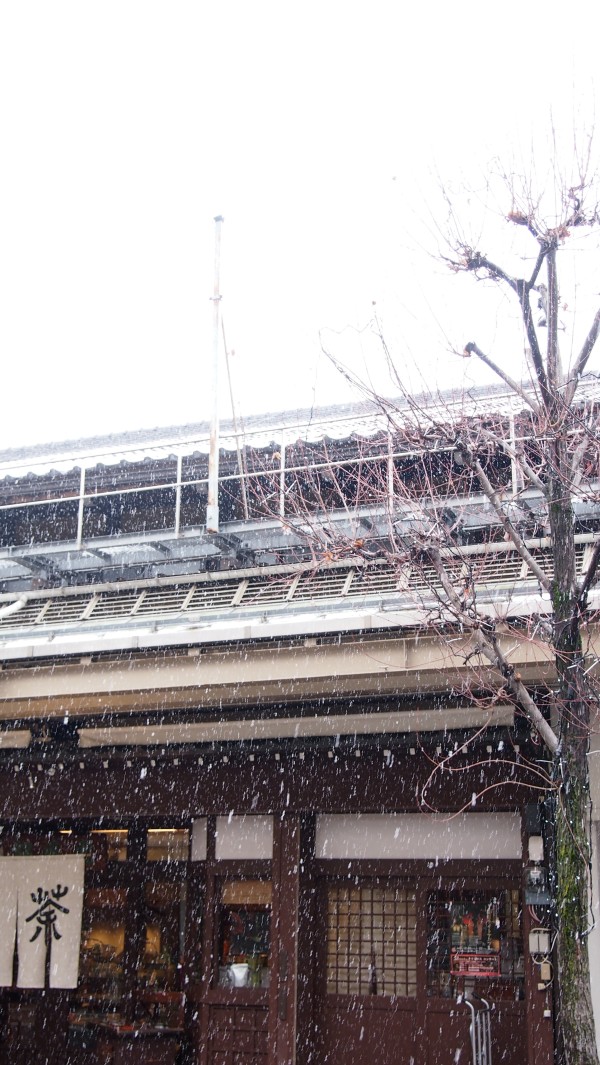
(13, 608)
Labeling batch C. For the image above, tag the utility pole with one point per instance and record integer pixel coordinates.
(212, 508)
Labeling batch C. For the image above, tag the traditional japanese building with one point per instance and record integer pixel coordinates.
(249, 814)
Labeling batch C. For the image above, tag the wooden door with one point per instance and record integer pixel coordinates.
(384, 991)
(474, 948)
(233, 995)
(366, 1008)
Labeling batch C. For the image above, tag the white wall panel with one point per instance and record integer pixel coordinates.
(244, 837)
(199, 840)
(471, 835)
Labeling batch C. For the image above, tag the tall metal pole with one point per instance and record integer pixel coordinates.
(212, 508)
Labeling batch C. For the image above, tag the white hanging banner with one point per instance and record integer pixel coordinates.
(50, 904)
(8, 918)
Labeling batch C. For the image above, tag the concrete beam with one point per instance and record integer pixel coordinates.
(259, 675)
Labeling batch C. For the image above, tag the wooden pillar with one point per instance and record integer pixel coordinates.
(290, 846)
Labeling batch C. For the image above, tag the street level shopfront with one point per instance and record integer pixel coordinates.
(225, 921)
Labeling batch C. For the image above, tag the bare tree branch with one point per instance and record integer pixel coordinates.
(582, 360)
(487, 644)
(532, 339)
(587, 580)
(538, 266)
(474, 261)
(509, 528)
(473, 349)
(552, 352)
(526, 469)
(490, 647)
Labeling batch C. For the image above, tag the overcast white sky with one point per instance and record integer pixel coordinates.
(319, 130)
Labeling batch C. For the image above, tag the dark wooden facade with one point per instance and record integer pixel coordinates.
(296, 1012)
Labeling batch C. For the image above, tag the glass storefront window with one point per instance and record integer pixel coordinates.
(100, 845)
(244, 928)
(371, 939)
(474, 936)
(109, 844)
(168, 845)
(164, 909)
(102, 984)
(26, 841)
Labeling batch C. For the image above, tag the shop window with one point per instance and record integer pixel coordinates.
(474, 936)
(109, 844)
(371, 940)
(24, 841)
(168, 845)
(21, 842)
(244, 929)
(100, 846)
(164, 909)
(102, 983)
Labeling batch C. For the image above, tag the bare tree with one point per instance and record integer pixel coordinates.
(566, 437)
(533, 456)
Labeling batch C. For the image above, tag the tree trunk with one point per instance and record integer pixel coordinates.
(576, 1043)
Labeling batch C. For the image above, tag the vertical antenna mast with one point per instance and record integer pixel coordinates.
(212, 508)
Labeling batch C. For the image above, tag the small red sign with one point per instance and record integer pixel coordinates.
(475, 963)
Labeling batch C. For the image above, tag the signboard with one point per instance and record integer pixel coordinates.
(40, 920)
(475, 963)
